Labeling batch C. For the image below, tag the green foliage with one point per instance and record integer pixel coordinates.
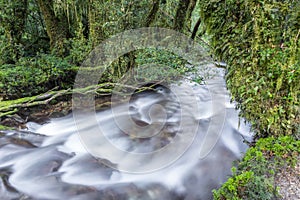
(80, 47)
(148, 65)
(34, 34)
(282, 151)
(260, 42)
(111, 17)
(31, 76)
(245, 186)
(254, 177)
(21, 31)
(161, 57)
(4, 127)
(164, 65)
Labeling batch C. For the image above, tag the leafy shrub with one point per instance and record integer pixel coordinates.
(245, 186)
(161, 57)
(254, 177)
(175, 65)
(31, 76)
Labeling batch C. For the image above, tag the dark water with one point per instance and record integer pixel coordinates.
(51, 162)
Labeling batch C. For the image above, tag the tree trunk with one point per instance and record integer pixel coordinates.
(181, 14)
(95, 22)
(196, 27)
(14, 24)
(56, 27)
(151, 16)
(20, 15)
(189, 13)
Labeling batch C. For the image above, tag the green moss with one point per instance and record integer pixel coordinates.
(260, 42)
(16, 101)
(5, 128)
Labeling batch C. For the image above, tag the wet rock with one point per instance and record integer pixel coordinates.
(21, 138)
(14, 121)
(130, 191)
(57, 114)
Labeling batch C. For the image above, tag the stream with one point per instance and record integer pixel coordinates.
(51, 161)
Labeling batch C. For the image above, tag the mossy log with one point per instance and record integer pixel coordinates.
(10, 107)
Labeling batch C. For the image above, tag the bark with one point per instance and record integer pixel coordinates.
(95, 21)
(151, 16)
(14, 25)
(196, 27)
(181, 13)
(18, 25)
(189, 13)
(56, 27)
(13, 106)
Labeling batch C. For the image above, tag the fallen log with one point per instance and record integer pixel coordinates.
(9, 107)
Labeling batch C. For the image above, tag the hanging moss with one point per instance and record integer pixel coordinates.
(260, 42)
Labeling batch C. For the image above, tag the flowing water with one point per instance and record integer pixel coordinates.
(51, 162)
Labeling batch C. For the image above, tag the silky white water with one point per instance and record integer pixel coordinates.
(51, 161)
